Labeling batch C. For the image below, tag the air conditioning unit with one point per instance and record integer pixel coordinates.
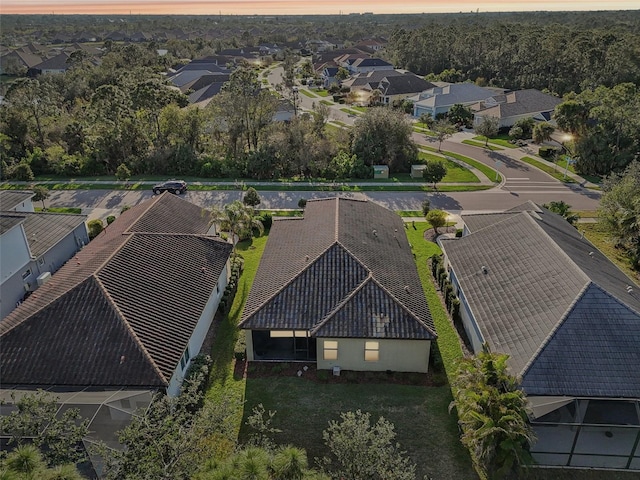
(43, 278)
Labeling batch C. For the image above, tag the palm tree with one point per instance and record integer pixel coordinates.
(563, 209)
(492, 412)
(289, 463)
(238, 219)
(26, 461)
(64, 472)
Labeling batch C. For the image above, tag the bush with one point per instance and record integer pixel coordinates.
(111, 219)
(458, 232)
(267, 220)
(547, 152)
(240, 349)
(22, 171)
(95, 227)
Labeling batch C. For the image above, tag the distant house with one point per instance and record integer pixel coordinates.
(201, 80)
(363, 65)
(439, 99)
(329, 76)
(18, 61)
(339, 287)
(400, 87)
(531, 286)
(510, 107)
(57, 64)
(33, 246)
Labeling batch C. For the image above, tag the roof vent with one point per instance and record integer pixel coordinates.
(375, 232)
(407, 289)
(306, 258)
(484, 269)
(122, 359)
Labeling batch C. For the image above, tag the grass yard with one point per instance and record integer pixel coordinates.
(326, 102)
(548, 169)
(602, 240)
(351, 111)
(321, 93)
(473, 143)
(456, 173)
(562, 163)
(307, 93)
(423, 425)
(222, 382)
(73, 210)
(501, 140)
(489, 172)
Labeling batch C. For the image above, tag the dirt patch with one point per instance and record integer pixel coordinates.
(309, 372)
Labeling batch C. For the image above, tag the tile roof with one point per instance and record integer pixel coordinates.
(59, 62)
(45, 230)
(477, 222)
(405, 84)
(593, 352)
(7, 222)
(454, 93)
(544, 284)
(143, 286)
(366, 78)
(10, 198)
(370, 62)
(313, 264)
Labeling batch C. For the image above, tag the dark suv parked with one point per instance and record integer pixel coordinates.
(173, 186)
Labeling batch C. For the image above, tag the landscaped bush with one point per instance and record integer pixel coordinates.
(458, 233)
(547, 152)
(240, 349)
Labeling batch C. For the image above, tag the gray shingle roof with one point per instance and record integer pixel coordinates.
(7, 222)
(406, 84)
(521, 102)
(547, 297)
(151, 286)
(312, 265)
(10, 198)
(477, 222)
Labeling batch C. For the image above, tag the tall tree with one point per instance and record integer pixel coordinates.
(238, 219)
(40, 194)
(383, 137)
(443, 129)
(492, 413)
(434, 171)
(542, 132)
(563, 209)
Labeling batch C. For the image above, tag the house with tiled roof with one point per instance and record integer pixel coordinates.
(363, 65)
(33, 246)
(129, 311)
(443, 96)
(56, 64)
(531, 286)
(400, 87)
(18, 61)
(339, 287)
(510, 107)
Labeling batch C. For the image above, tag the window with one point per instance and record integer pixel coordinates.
(184, 361)
(26, 274)
(330, 350)
(41, 260)
(371, 351)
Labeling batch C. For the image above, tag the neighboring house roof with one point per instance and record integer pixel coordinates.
(452, 94)
(372, 78)
(45, 230)
(122, 311)
(59, 62)
(541, 280)
(7, 222)
(520, 102)
(206, 93)
(370, 62)
(405, 84)
(183, 78)
(10, 198)
(344, 269)
(27, 59)
(205, 81)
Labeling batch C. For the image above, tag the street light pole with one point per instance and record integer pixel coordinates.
(569, 159)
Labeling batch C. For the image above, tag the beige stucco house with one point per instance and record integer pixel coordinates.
(339, 287)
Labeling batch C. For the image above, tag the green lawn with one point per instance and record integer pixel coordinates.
(502, 140)
(351, 111)
(490, 173)
(562, 163)
(423, 425)
(222, 382)
(74, 210)
(326, 102)
(481, 145)
(307, 93)
(456, 173)
(321, 93)
(548, 169)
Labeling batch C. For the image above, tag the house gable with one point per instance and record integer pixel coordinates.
(100, 350)
(593, 352)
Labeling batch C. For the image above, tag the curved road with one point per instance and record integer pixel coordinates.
(522, 182)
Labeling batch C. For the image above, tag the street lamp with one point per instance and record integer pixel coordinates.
(569, 160)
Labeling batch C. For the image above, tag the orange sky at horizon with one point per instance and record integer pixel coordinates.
(295, 7)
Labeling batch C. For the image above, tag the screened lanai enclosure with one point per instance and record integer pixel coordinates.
(108, 411)
(596, 433)
(287, 345)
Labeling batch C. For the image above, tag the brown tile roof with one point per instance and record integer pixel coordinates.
(313, 265)
(132, 294)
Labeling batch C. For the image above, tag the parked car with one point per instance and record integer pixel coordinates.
(172, 186)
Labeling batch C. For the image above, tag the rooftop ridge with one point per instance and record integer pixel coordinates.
(133, 334)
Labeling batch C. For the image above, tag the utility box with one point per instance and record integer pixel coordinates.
(417, 170)
(43, 278)
(336, 371)
(380, 171)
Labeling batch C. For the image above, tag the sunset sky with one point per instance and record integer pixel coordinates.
(297, 7)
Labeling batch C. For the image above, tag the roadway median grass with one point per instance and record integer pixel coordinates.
(501, 140)
(489, 172)
(548, 169)
(456, 173)
(307, 93)
(488, 146)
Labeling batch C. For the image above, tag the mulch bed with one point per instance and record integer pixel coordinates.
(297, 369)
(430, 235)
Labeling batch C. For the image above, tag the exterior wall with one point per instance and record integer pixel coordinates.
(15, 252)
(249, 344)
(394, 355)
(26, 206)
(468, 321)
(200, 332)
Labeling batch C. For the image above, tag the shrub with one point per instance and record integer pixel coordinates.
(22, 171)
(240, 349)
(458, 233)
(95, 227)
(267, 220)
(111, 219)
(547, 152)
